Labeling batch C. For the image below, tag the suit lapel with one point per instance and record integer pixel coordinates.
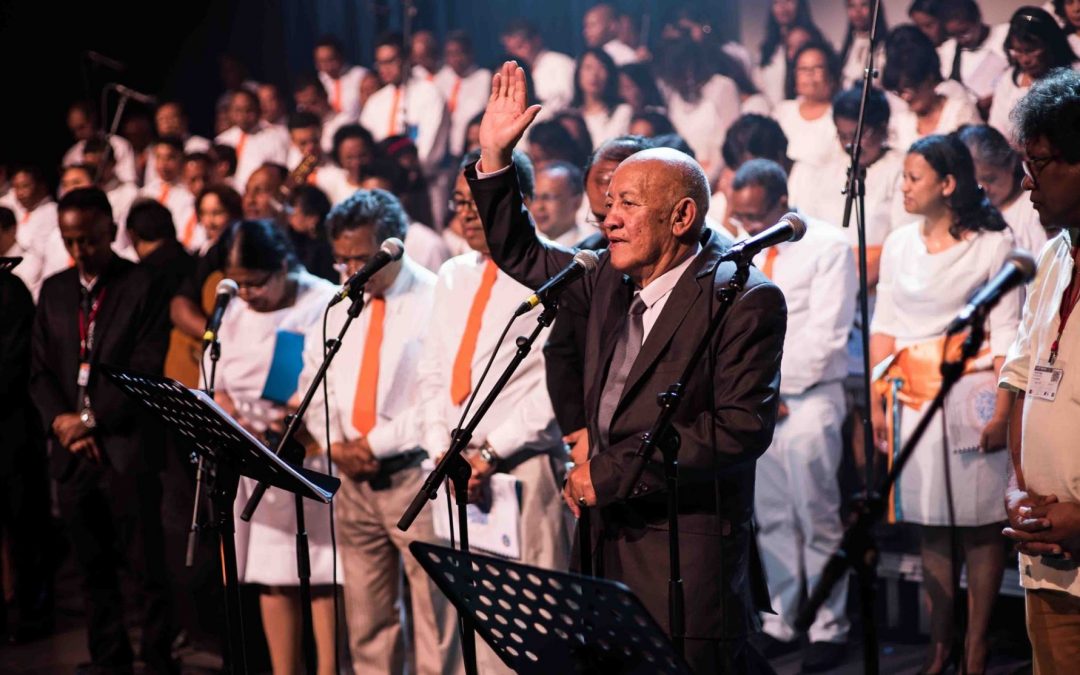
(618, 306)
(694, 283)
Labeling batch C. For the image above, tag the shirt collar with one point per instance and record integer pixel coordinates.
(665, 283)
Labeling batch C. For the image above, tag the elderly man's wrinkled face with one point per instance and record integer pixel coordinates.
(638, 224)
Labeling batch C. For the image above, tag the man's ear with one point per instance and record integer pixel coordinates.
(683, 217)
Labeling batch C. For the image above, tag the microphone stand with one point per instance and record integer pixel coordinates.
(855, 199)
(858, 548)
(303, 559)
(125, 96)
(457, 468)
(663, 435)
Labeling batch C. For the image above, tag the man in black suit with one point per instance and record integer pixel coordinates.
(648, 304)
(104, 310)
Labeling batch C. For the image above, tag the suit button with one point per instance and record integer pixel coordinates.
(637, 491)
(642, 487)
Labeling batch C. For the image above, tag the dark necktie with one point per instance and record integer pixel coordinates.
(631, 335)
(955, 74)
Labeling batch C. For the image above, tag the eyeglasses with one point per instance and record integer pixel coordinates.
(1033, 166)
(455, 205)
(343, 262)
(257, 285)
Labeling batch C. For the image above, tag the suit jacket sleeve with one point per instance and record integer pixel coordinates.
(15, 339)
(746, 382)
(511, 237)
(45, 386)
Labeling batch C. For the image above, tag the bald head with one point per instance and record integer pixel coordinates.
(676, 174)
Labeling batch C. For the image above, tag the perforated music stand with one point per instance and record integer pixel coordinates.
(232, 452)
(541, 622)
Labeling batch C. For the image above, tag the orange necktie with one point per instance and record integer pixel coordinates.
(451, 105)
(189, 231)
(461, 381)
(26, 216)
(240, 146)
(392, 125)
(165, 187)
(336, 103)
(367, 386)
(770, 260)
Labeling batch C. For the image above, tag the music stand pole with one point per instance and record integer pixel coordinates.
(454, 466)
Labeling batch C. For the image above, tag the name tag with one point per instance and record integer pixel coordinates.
(83, 378)
(1044, 382)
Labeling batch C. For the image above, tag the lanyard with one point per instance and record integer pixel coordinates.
(1068, 303)
(86, 326)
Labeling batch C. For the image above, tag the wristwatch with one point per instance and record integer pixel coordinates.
(87, 418)
(488, 454)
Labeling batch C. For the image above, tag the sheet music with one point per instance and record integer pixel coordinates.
(496, 531)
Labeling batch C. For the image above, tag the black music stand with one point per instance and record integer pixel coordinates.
(8, 264)
(541, 622)
(230, 452)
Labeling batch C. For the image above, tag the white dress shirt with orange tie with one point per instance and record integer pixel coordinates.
(344, 92)
(797, 495)
(466, 96)
(264, 144)
(473, 302)
(181, 204)
(373, 393)
(417, 110)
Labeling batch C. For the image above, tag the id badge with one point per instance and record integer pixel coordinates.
(83, 379)
(1044, 382)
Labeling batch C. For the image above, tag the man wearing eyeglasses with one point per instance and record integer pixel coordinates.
(1043, 370)
(375, 415)
(559, 194)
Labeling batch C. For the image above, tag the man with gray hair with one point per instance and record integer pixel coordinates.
(374, 405)
(560, 190)
(648, 304)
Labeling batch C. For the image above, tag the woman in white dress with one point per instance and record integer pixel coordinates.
(596, 97)
(998, 170)
(772, 69)
(913, 73)
(1035, 45)
(856, 44)
(261, 356)
(807, 121)
(928, 271)
(353, 151)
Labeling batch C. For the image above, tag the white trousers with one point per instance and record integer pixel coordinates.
(797, 509)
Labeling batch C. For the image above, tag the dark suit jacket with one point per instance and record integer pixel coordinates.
(736, 402)
(131, 332)
(19, 431)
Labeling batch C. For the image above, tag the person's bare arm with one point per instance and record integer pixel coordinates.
(187, 316)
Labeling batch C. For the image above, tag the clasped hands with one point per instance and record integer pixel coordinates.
(1043, 526)
(75, 437)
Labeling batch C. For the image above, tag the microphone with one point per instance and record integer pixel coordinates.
(101, 59)
(145, 99)
(583, 263)
(226, 291)
(791, 227)
(392, 249)
(1018, 269)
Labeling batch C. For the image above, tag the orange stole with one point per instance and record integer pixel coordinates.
(913, 379)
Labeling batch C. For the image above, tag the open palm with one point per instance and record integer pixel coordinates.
(506, 117)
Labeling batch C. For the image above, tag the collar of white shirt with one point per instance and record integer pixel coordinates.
(665, 283)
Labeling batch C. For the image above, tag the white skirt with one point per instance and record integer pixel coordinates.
(266, 546)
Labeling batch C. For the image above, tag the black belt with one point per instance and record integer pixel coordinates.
(395, 464)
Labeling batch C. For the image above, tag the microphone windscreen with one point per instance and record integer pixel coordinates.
(227, 287)
(587, 259)
(394, 247)
(1024, 262)
(798, 225)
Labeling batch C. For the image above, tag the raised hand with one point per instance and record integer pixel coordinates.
(506, 117)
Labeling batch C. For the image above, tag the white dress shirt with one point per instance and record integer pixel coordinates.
(813, 141)
(655, 295)
(772, 78)
(122, 152)
(816, 191)
(620, 52)
(981, 67)
(349, 86)
(604, 126)
(521, 417)
(330, 126)
(466, 97)
(419, 113)
(121, 197)
(426, 247)
(1048, 456)
(177, 198)
(1024, 222)
(397, 399)
(817, 276)
(38, 230)
(704, 123)
(851, 74)
(334, 182)
(29, 270)
(553, 80)
(959, 109)
(265, 144)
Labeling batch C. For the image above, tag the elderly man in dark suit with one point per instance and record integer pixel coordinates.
(104, 310)
(648, 304)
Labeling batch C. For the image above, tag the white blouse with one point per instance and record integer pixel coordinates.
(814, 141)
(605, 126)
